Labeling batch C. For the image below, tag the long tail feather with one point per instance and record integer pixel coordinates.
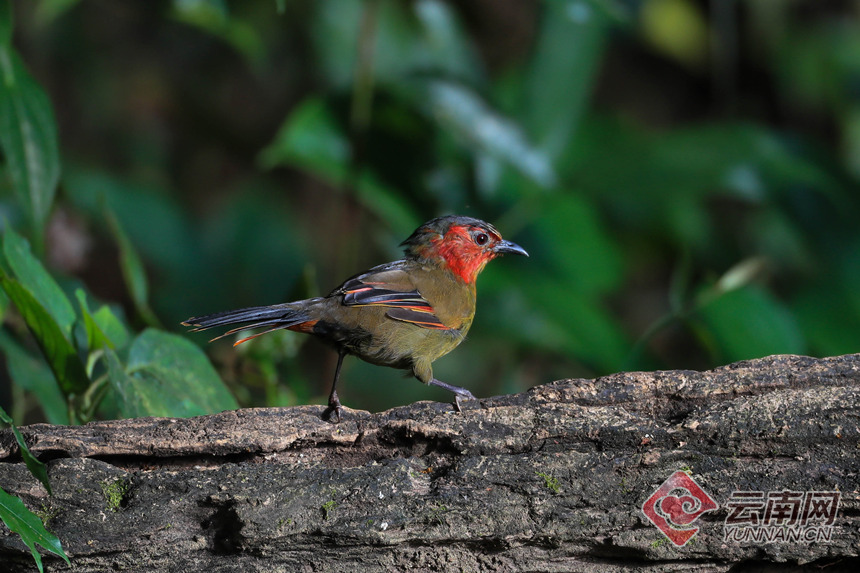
(278, 316)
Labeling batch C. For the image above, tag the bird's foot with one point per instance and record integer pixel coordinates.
(332, 413)
(459, 393)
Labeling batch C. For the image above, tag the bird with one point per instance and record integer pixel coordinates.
(404, 314)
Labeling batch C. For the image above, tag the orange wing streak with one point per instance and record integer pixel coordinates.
(306, 327)
(431, 325)
(424, 309)
(246, 339)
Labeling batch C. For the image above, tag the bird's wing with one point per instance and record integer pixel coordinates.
(390, 286)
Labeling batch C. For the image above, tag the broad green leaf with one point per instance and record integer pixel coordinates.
(111, 326)
(102, 327)
(133, 396)
(749, 323)
(28, 137)
(33, 276)
(27, 524)
(96, 339)
(167, 375)
(176, 361)
(61, 356)
(132, 270)
(561, 75)
(32, 373)
(36, 467)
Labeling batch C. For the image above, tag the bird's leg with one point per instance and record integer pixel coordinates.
(459, 393)
(334, 406)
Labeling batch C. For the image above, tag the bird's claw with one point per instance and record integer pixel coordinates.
(332, 414)
(334, 409)
(459, 393)
(464, 395)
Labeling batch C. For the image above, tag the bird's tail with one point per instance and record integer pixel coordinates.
(290, 316)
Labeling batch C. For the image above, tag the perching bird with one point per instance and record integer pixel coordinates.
(404, 314)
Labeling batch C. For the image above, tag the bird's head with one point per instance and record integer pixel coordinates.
(462, 244)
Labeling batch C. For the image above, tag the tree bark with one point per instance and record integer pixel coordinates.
(553, 479)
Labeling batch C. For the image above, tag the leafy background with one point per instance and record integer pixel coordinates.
(683, 173)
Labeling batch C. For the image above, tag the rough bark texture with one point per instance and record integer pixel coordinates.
(549, 480)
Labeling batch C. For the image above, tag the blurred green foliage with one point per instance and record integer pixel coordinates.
(684, 174)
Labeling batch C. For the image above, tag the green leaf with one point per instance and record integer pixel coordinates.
(132, 270)
(102, 327)
(61, 356)
(32, 373)
(36, 467)
(28, 138)
(134, 398)
(27, 524)
(111, 326)
(167, 375)
(33, 276)
(749, 322)
(96, 339)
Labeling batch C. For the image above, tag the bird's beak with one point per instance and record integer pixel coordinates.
(509, 247)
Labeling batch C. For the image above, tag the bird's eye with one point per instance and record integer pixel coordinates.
(481, 238)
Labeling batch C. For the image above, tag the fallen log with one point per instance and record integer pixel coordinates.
(553, 479)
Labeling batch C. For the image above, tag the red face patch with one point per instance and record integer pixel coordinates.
(463, 255)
